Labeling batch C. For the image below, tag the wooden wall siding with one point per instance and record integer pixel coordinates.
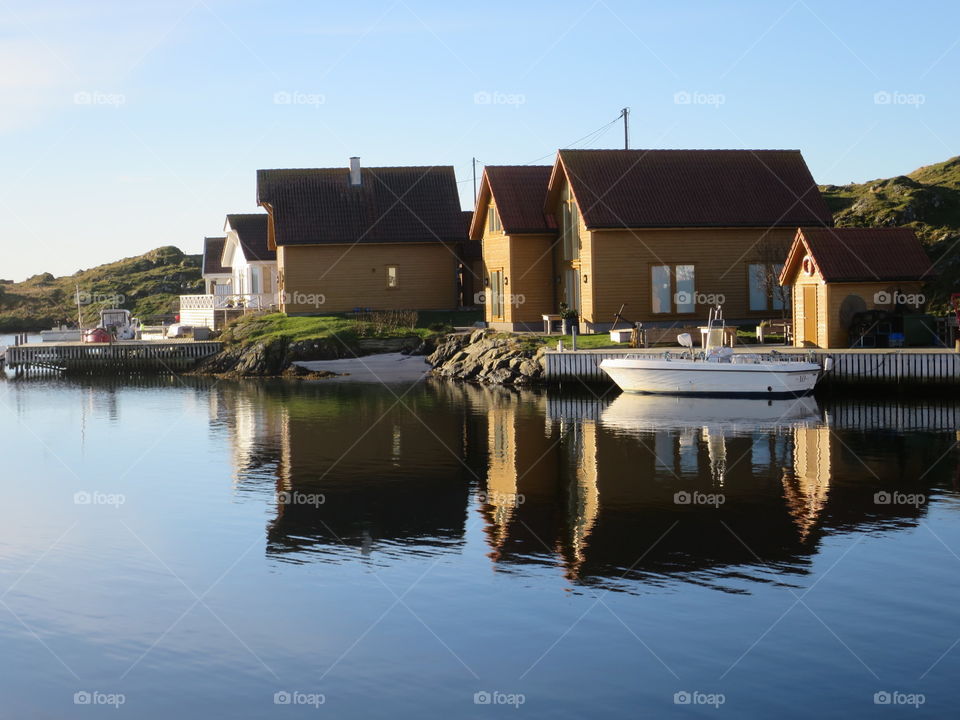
(496, 256)
(799, 312)
(531, 278)
(837, 335)
(620, 268)
(583, 264)
(351, 276)
(588, 252)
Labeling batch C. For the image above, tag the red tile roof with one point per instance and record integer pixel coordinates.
(860, 254)
(251, 231)
(391, 205)
(519, 192)
(691, 188)
(213, 256)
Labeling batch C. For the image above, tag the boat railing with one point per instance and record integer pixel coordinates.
(736, 358)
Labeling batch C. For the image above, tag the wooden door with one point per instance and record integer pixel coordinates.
(810, 315)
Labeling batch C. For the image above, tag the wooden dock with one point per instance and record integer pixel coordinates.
(903, 367)
(125, 357)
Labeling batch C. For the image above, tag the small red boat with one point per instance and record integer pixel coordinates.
(96, 335)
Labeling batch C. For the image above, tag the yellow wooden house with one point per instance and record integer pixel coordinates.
(666, 234)
(837, 273)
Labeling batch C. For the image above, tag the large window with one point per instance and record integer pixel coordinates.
(493, 220)
(766, 293)
(496, 294)
(570, 226)
(673, 288)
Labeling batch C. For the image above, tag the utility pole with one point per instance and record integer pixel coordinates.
(474, 183)
(79, 310)
(625, 114)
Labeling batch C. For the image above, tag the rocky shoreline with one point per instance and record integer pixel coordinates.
(276, 357)
(481, 356)
(484, 357)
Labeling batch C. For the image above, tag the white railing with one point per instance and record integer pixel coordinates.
(248, 301)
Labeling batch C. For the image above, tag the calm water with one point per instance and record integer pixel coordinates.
(192, 550)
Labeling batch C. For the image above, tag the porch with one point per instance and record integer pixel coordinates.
(215, 311)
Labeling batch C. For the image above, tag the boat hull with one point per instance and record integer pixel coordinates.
(688, 377)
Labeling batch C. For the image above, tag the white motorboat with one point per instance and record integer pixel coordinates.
(719, 371)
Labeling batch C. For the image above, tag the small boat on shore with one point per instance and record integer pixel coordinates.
(61, 333)
(719, 371)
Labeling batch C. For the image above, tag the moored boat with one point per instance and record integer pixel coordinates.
(718, 372)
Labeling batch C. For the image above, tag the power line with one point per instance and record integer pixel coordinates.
(592, 136)
(575, 142)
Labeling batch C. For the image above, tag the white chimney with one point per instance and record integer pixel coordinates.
(355, 171)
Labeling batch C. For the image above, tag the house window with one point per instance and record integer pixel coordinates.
(672, 288)
(255, 281)
(493, 220)
(765, 291)
(570, 226)
(393, 281)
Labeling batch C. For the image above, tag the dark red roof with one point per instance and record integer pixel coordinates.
(251, 230)
(391, 205)
(520, 192)
(863, 254)
(691, 188)
(213, 256)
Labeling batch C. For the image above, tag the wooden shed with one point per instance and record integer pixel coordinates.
(838, 273)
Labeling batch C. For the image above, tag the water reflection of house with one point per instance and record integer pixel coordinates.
(255, 426)
(602, 492)
(587, 485)
(806, 488)
(643, 493)
(520, 483)
(360, 468)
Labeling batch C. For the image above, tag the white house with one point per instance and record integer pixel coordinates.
(217, 278)
(239, 274)
(253, 265)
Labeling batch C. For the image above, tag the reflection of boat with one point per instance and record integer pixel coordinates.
(633, 412)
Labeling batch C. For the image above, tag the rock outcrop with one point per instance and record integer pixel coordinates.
(484, 357)
(273, 357)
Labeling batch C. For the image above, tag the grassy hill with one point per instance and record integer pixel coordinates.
(148, 285)
(928, 200)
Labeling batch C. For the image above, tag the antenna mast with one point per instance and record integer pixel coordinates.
(625, 114)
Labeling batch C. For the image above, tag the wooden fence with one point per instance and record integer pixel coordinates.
(900, 367)
(168, 356)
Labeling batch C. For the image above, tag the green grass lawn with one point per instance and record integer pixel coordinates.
(266, 328)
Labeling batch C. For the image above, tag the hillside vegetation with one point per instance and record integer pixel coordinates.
(148, 285)
(928, 200)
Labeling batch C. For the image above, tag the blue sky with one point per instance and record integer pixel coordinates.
(126, 126)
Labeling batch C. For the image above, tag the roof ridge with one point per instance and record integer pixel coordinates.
(678, 150)
(346, 169)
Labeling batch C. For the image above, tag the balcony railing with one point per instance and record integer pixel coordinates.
(256, 301)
